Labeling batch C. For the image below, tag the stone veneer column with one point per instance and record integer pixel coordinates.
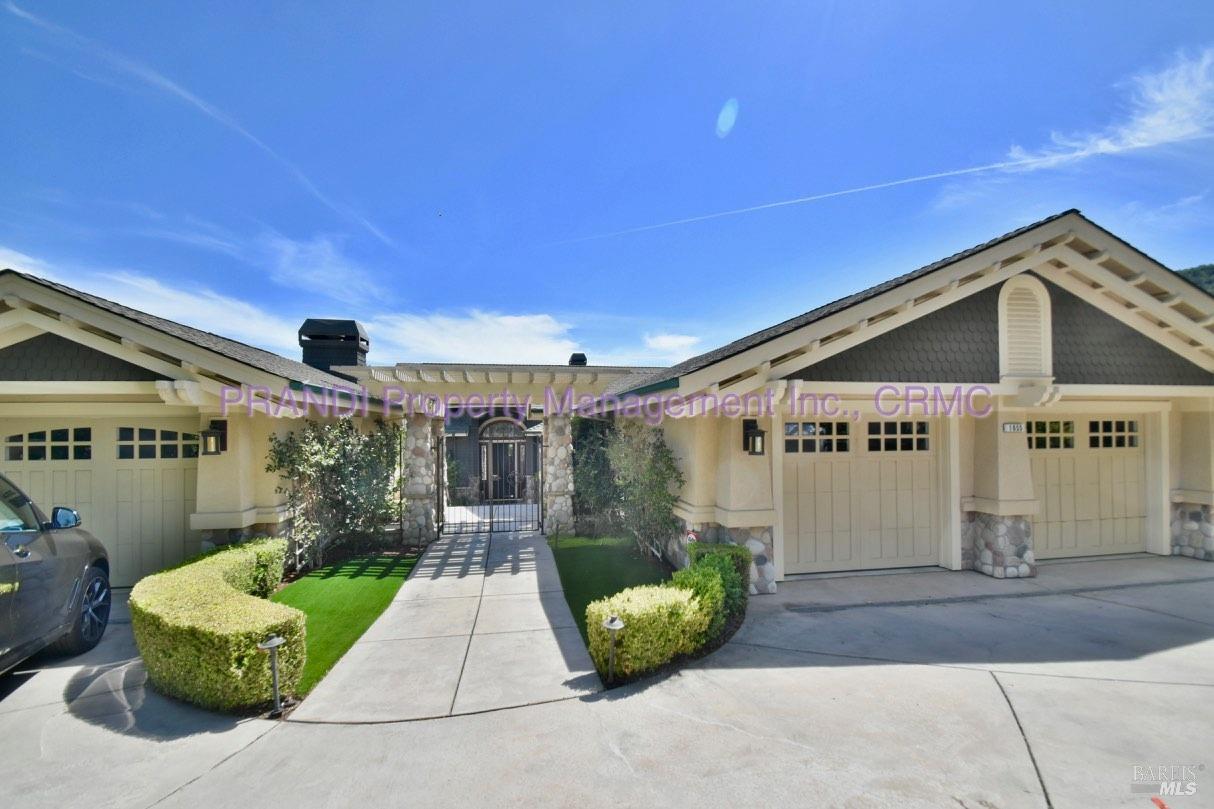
(1000, 546)
(1192, 531)
(558, 474)
(420, 495)
(756, 539)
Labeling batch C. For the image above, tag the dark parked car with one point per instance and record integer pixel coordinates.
(54, 580)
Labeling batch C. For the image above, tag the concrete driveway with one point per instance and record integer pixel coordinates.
(919, 689)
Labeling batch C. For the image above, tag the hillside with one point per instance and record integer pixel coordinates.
(1202, 275)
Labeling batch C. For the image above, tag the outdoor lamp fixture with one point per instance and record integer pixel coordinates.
(613, 625)
(271, 645)
(753, 437)
(215, 438)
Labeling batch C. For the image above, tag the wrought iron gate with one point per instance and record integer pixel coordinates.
(508, 489)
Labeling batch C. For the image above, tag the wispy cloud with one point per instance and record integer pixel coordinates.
(674, 347)
(1170, 106)
(194, 305)
(319, 265)
(131, 69)
(1187, 212)
(473, 336)
(467, 336)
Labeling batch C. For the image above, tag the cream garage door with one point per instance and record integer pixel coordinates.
(132, 480)
(1089, 473)
(860, 495)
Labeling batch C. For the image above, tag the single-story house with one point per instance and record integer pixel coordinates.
(1047, 394)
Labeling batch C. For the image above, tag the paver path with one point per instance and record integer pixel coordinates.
(480, 624)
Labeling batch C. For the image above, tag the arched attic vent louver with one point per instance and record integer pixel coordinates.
(1025, 344)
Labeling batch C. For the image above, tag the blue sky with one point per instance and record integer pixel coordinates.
(481, 182)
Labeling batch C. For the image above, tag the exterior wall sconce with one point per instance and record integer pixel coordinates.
(215, 438)
(753, 438)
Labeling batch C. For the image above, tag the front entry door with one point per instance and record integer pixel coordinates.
(504, 471)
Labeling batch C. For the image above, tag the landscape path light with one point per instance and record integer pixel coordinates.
(613, 625)
(271, 645)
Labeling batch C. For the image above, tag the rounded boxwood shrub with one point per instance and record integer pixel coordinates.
(733, 591)
(660, 623)
(706, 581)
(739, 555)
(197, 627)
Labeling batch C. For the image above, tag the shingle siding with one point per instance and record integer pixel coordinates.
(51, 358)
(960, 344)
(1093, 348)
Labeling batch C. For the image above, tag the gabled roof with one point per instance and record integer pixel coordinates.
(291, 370)
(669, 377)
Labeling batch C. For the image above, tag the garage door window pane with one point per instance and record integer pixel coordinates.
(1114, 434)
(37, 452)
(821, 436)
(59, 452)
(147, 434)
(900, 436)
(168, 450)
(126, 433)
(82, 434)
(14, 453)
(790, 444)
(82, 452)
(147, 451)
(191, 450)
(1050, 434)
(126, 452)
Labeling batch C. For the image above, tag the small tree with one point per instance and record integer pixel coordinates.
(649, 481)
(596, 497)
(342, 484)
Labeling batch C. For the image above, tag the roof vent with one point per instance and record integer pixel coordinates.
(578, 359)
(327, 343)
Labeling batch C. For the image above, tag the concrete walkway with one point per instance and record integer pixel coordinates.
(480, 624)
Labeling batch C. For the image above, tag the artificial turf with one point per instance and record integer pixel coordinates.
(594, 567)
(341, 600)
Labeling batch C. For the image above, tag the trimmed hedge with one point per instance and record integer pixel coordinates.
(734, 590)
(660, 622)
(197, 627)
(738, 554)
(708, 585)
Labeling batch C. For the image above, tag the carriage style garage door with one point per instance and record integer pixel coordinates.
(860, 495)
(1089, 472)
(132, 480)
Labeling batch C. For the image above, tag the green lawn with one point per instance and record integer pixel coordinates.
(341, 601)
(592, 568)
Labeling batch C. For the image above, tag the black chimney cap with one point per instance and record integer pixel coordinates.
(324, 328)
(577, 358)
(327, 343)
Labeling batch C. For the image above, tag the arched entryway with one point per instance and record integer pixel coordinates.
(492, 479)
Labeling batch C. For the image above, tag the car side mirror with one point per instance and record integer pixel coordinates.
(64, 517)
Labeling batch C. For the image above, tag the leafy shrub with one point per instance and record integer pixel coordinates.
(733, 561)
(197, 627)
(708, 584)
(660, 623)
(341, 484)
(596, 497)
(649, 481)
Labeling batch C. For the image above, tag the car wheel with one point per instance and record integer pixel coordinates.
(92, 616)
